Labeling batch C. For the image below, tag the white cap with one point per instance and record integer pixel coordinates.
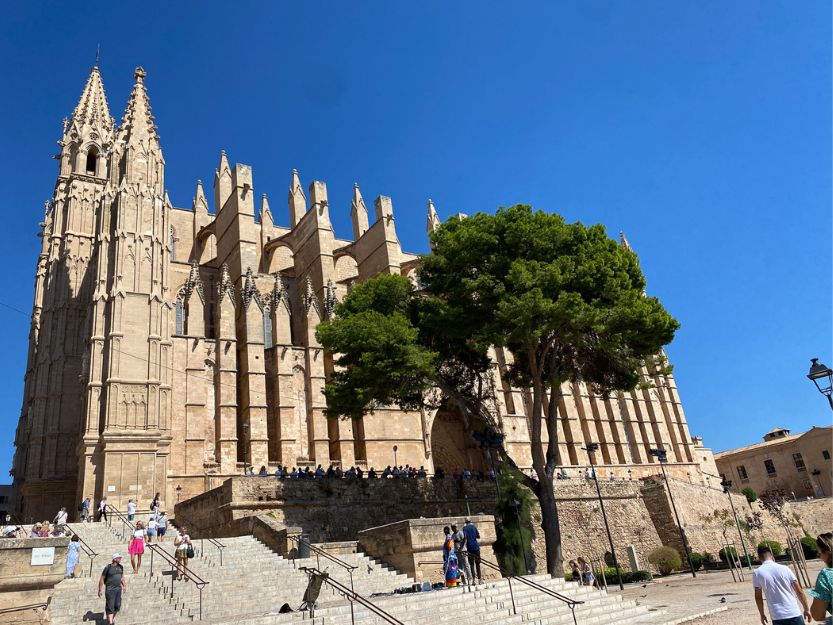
(116, 556)
(468, 519)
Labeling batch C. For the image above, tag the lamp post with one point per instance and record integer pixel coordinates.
(726, 484)
(822, 377)
(395, 449)
(662, 456)
(591, 449)
(517, 506)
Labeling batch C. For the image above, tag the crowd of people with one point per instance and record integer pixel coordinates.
(354, 472)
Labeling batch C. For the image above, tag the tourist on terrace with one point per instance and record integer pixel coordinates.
(320, 472)
(137, 546)
(73, 552)
(822, 594)
(13, 531)
(131, 509)
(35, 531)
(395, 473)
(439, 474)
(466, 474)
(339, 473)
(351, 473)
(293, 475)
(279, 473)
(371, 474)
(387, 472)
(113, 582)
(161, 526)
(359, 473)
(783, 593)
(473, 547)
(182, 543)
(44, 530)
(421, 473)
(263, 472)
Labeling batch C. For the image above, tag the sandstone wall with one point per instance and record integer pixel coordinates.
(22, 583)
(816, 515)
(414, 546)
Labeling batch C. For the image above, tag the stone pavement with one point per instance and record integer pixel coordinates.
(681, 597)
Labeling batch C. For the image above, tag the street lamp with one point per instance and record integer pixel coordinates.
(660, 455)
(395, 449)
(591, 449)
(517, 506)
(822, 377)
(178, 492)
(726, 484)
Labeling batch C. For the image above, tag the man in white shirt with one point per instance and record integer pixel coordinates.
(61, 518)
(782, 591)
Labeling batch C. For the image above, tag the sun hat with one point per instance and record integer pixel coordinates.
(116, 556)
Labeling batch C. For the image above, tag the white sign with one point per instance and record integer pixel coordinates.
(111, 488)
(43, 556)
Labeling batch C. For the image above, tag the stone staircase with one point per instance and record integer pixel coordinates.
(254, 582)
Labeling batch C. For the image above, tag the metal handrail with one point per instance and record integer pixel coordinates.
(351, 596)
(30, 606)
(122, 517)
(216, 543)
(190, 576)
(320, 552)
(571, 603)
(88, 551)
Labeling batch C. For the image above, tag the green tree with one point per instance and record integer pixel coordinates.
(750, 494)
(513, 537)
(566, 300)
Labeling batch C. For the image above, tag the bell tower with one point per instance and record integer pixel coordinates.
(45, 466)
(124, 449)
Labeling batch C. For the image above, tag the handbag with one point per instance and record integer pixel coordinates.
(189, 552)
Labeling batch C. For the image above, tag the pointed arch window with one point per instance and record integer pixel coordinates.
(180, 317)
(267, 330)
(91, 166)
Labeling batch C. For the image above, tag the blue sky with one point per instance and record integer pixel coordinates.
(703, 130)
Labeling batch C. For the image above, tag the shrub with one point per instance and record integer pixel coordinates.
(808, 546)
(725, 554)
(708, 557)
(774, 546)
(696, 560)
(666, 559)
(750, 494)
(628, 577)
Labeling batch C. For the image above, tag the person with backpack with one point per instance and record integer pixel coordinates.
(473, 547)
(114, 584)
(84, 509)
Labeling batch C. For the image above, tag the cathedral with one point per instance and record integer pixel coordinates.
(172, 347)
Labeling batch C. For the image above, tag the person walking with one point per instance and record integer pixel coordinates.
(576, 573)
(137, 546)
(822, 594)
(154, 505)
(150, 528)
(84, 509)
(102, 509)
(114, 584)
(183, 552)
(462, 552)
(587, 577)
(473, 548)
(73, 553)
(60, 519)
(131, 509)
(783, 593)
(161, 526)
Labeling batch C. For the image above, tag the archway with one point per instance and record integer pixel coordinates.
(451, 447)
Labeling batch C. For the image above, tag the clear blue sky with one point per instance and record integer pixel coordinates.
(701, 129)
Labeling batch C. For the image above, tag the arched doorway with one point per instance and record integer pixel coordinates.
(451, 447)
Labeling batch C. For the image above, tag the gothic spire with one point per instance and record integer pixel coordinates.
(92, 110)
(433, 218)
(138, 125)
(265, 212)
(624, 241)
(200, 203)
(297, 200)
(358, 212)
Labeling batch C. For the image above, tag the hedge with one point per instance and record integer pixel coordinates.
(774, 546)
(666, 559)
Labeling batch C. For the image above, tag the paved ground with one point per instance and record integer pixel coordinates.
(681, 597)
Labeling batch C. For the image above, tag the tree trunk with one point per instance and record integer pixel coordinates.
(550, 526)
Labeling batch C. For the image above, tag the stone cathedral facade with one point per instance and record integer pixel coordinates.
(171, 347)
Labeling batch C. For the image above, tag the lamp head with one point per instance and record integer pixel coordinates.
(822, 377)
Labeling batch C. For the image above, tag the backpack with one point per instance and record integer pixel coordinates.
(81, 507)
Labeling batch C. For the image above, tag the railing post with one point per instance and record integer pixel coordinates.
(200, 588)
(351, 581)
(151, 562)
(512, 596)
